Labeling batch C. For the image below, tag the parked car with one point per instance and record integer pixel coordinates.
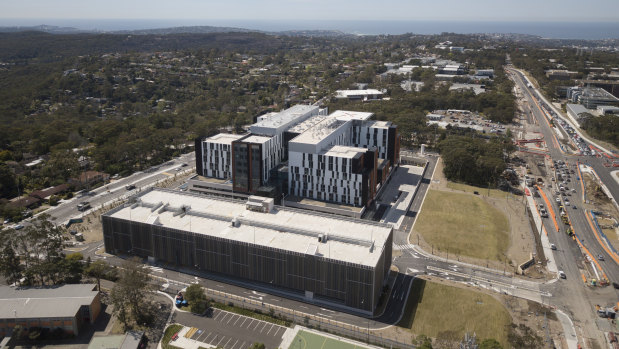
(553, 247)
(562, 274)
(130, 187)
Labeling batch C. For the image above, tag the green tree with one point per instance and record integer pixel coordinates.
(131, 293)
(10, 266)
(98, 270)
(8, 181)
(73, 268)
(257, 345)
(423, 342)
(196, 298)
(490, 343)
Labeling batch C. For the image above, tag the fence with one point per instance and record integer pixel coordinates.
(361, 333)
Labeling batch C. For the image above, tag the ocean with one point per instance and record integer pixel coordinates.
(554, 30)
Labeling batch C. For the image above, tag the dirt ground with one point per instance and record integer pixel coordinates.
(598, 201)
(531, 314)
(522, 242)
(91, 227)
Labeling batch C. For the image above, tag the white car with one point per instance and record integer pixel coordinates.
(562, 274)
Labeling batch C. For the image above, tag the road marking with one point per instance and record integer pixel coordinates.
(276, 332)
(231, 317)
(228, 342)
(218, 314)
(206, 339)
(201, 334)
(237, 320)
(270, 329)
(252, 321)
(263, 327)
(222, 338)
(242, 345)
(243, 322)
(256, 326)
(224, 318)
(234, 345)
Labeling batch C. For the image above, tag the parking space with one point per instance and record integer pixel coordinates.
(228, 330)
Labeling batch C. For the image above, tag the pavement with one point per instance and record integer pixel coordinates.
(115, 190)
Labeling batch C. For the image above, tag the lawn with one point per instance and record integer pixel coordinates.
(307, 340)
(463, 224)
(437, 310)
(494, 193)
(167, 336)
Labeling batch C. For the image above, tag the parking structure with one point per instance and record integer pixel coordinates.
(233, 331)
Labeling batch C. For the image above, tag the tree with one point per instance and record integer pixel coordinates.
(490, 343)
(423, 342)
(8, 181)
(73, 268)
(40, 246)
(257, 345)
(196, 298)
(131, 293)
(97, 269)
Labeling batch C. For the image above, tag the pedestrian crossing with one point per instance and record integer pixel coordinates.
(407, 248)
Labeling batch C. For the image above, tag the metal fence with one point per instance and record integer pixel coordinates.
(361, 333)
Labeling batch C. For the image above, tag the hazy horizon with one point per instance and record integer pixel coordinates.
(556, 29)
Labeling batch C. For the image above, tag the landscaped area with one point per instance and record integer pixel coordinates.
(437, 310)
(309, 340)
(463, 224)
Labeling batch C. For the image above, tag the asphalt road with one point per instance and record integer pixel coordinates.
(569, 294)
(116, 189)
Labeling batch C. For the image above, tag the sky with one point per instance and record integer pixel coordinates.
(199, 12)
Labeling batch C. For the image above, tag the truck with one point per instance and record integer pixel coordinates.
(83, 206)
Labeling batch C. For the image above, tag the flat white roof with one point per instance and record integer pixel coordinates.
(256, 139)
(348, 93)
(283, 228)
(342, 151)
(283, 119)
(345, 115)
(309, 123)
(223, 138)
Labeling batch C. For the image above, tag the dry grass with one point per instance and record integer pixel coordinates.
(494, 193)
(447, 312)
(463, 224)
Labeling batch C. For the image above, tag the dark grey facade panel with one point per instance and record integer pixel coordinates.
(353, 285)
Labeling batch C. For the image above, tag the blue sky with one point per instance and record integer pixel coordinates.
(467, 10)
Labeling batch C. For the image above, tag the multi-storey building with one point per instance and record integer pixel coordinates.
(343, 157)
(322, 258)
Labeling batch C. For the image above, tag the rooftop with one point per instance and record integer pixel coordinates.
(44, 302)
(349, 93)
(284, 119)
(223, 138)
(349, 240)
(256, 139)
(318, 132)
(342, 151)
(345, 115)
(309, 123)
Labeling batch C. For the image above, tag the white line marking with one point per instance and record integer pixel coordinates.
(243, 322)
(270, 329)
(256, 326)
(237, 320)
(228, 342)
(234, 344)
(222, 338)
(231, 317)
(206, 339)
(265, 325)
(252, 321)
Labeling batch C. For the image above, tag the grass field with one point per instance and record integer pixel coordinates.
(307, 340)
(449, 312)
(494, 193)
(463, 224)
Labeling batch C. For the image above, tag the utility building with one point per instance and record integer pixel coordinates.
(330, 260)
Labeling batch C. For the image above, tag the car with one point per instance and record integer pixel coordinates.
(18, 227)
(600, 257)
(562, 274)
(615, 285)
(574, 206)
(553, 247)
(567, 202)
(184, 165)
(558, 200)
(130, 186)
(7, 221)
